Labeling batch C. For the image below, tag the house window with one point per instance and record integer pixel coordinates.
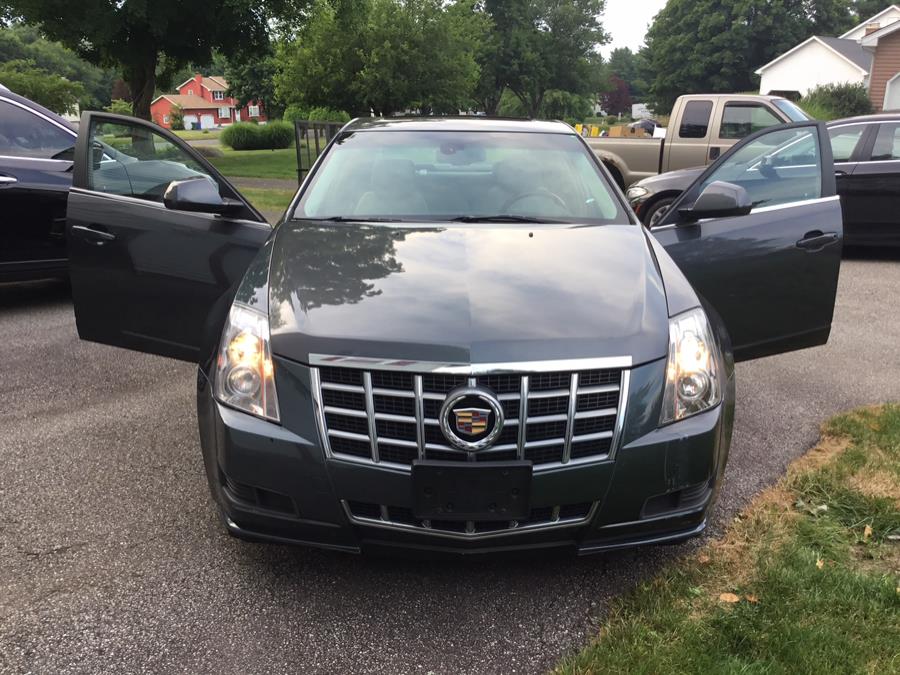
(219, 96)
(190, 92)
(165, 119)
(225, 113)
(253, 110)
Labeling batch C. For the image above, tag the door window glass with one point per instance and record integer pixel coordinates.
(844, 141)
(887, 143)
(134, 161)
(740, 120)
(779, 167)
(695, 119)
(24, 134)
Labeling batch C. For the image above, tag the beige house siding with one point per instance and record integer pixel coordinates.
(884, 67)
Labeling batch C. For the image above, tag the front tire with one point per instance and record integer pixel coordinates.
(655, 212)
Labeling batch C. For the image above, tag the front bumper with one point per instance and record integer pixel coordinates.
(274, 483)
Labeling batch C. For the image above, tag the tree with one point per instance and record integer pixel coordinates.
(542, 45)
(151, 40)
(383, 55)
(618, 99)
(628, 66)
(21, 42)
(696, 46)
(49, 89)
(119, 106)
(253, 79)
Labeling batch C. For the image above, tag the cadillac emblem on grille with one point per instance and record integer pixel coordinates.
(471, 418)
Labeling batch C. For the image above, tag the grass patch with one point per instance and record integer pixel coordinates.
(198, 134)
(268, 200)
(806, 580)
(258, 163)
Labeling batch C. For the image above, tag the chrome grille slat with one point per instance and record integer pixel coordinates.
(573, 425)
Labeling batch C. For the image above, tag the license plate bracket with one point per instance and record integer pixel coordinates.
(492, 491)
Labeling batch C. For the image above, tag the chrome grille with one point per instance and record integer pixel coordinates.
(402, 518)
(387, 411)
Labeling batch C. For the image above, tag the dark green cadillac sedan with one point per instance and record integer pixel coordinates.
(458, 337)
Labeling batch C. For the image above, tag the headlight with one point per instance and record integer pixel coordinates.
(636, 192)
(693, 370)
(245, 378)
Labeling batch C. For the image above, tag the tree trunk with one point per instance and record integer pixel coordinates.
(141, 78)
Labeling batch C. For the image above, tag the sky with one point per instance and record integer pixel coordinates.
(626, 21)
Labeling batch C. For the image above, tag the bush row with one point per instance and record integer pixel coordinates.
(294, 113)
(250, 136)
(833, 101)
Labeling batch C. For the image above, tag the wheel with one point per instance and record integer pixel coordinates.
(655, 212)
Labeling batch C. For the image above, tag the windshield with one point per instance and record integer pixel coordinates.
(475, 176)
(794, 112)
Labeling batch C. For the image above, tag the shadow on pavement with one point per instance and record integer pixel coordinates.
(879, 253)
(35, 293)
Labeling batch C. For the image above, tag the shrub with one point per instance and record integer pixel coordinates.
(278, 134)
(176, 118)
(249, 136)
(322, 114)
(119, 106)
(831, 101)
(294, 113)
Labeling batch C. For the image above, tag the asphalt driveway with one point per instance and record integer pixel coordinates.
(112, 560)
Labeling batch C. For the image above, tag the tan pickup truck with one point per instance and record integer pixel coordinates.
(701, 127)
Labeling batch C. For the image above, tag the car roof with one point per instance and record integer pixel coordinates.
(883, 117)
(462, 123)
(37, 108)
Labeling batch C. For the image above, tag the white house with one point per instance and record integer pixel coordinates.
(825, 60)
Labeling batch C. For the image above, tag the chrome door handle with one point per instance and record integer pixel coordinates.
(94, 235)
(8, 180)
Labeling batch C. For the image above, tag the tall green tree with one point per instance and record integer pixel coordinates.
(49, 89)
(253, 79)
(383, 55)
(627, 66)
(539, 46)
(713, 46)
(148, 41)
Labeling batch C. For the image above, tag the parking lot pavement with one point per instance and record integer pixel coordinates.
(112, 560)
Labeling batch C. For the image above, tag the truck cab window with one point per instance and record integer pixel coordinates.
(695, 120)
(741, 119)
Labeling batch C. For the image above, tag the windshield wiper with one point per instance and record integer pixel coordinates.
(353, 219)
(502, 219)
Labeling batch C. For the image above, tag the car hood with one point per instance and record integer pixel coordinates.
(465, 294)
(680, 179)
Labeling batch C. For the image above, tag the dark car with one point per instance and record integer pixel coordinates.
(867, 165)
(458, 337)
(36, 149)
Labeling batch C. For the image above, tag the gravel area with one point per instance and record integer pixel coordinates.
(112, 559)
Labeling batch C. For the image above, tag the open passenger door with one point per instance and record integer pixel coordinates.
(759, 237)
(156, 236)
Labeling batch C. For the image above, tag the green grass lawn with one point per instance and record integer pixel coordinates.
(267, 199)
(197, 135)
(807, 579)
(258, 163)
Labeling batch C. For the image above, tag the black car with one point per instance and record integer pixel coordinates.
(36, 151)
(458, 337)
(867, 166)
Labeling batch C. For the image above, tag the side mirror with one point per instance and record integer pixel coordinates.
(719, 200)
(198, 194)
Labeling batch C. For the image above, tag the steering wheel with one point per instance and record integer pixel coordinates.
(544, 194)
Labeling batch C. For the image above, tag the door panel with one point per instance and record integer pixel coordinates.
(772, 274)
(145, 276)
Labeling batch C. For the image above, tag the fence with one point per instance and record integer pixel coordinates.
(312, 137)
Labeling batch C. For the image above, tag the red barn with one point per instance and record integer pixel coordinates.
(205, 105)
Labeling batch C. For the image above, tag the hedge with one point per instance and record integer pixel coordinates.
(249, 136)
(833, 101)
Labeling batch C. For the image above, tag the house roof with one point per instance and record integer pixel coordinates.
(187, 101)
(213, 83)
(871, 40)
(849, 50)
(875, 19)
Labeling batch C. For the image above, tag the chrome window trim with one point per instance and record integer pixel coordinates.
(760, 209)
(52, 121)
(473, 369)
(317, 386)
(469, 535)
